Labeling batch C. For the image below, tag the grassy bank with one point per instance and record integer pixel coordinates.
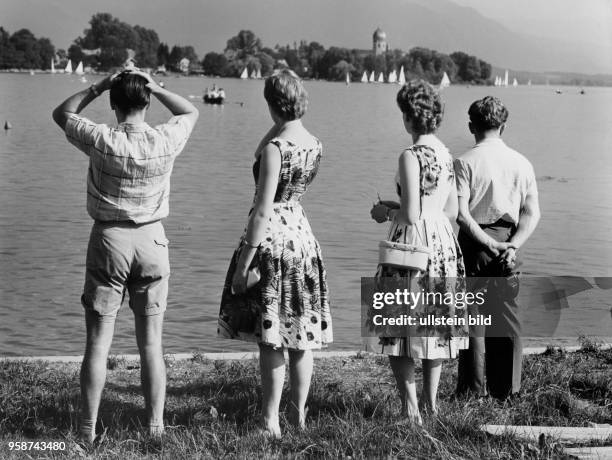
(212, 408)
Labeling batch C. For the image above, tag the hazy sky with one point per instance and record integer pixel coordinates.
(588, 21)
(207, 24)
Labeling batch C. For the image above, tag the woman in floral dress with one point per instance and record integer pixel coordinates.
(425, 183)
(289, 306)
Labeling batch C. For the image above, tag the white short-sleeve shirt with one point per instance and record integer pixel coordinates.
(496, 180)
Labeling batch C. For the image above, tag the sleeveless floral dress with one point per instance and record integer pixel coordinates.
(445, 272)
(289, 306)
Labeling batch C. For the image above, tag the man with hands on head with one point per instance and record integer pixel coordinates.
(498, 212)
(128, 186)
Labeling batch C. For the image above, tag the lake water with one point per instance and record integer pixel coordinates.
(44, 226)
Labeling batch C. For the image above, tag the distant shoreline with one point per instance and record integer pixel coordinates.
(592, 81)
(247, 355)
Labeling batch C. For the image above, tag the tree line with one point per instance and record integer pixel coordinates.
(109, 42)
(312, 60)
(22, 50)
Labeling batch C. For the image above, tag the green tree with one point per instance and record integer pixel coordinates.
(485, 71)
(146, 50)
(331, 57)
(163, 54)
(75, 53)
(313, 53)
(267, 63)
(470, 69)
(176, 54)
(242, 45)
(26, 50)
(47, 52)
(214, 64)
(112, 38)
(7, 50)
(340, 69)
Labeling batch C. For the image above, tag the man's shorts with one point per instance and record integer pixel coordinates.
(125, 256)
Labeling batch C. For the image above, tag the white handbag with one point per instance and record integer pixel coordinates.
(404, 255)
(400, 255)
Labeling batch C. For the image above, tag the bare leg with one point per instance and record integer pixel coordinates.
(100, 331)
(431, 379)
(272, 366)
(153, 369)
(403, 370)
(300, 375)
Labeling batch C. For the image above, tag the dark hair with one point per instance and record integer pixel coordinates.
(487, 113)
(286, 95)
(129, 92)
(421, 104)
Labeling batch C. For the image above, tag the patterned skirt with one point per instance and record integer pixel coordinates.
(289, 307)
(445, 273)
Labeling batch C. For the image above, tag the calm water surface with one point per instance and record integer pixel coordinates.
(45, 227)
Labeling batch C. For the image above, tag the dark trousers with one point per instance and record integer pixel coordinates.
(497, 355)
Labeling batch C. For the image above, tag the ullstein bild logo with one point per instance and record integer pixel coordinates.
(530, 306)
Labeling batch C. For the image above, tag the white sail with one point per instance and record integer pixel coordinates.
(392, 76)
(381, 79)
(445, 83)
(258, 73)
(364, 77)
(348, 79)
(52, 66)
(514, 82)
(529, 83)
(254, 74)
(372, 78)
(506, 78)
(245, 74)
(68, 68)
(402, 76)
(79, 69)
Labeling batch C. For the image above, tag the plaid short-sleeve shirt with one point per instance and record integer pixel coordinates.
(129, 166)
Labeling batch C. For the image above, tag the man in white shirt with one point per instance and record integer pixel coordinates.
(498, 212)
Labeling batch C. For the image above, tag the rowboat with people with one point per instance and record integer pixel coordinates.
(214, 95)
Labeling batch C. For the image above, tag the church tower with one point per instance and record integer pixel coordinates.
(379, 42)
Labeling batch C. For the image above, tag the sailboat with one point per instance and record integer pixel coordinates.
(79, 69)
(445, 82)
(68, 68)
(381, 79)
(52, 66)
(506, 78)
(392, 77)
(245, 74)
(254, 74)
(514, 82)
(402, 76)
(348, 79)
(364, 77)
(372, 79)
(529, 83)
(258, 75)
